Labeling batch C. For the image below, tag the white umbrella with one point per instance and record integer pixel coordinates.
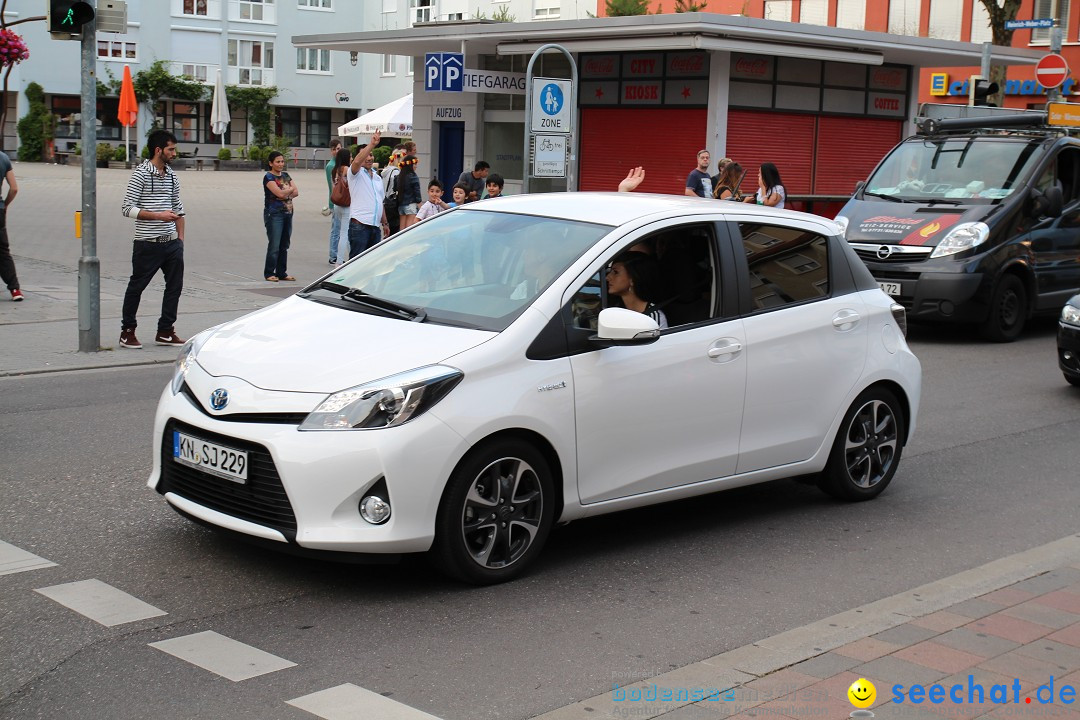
(393, 119)
(219, 111)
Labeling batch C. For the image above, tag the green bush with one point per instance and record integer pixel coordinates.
(145, 154)
(36, 127)
(281, 144)
(119, 155)
(258, 153)
(382, 155)
(353, 149)
(104, 152)
(224, 154)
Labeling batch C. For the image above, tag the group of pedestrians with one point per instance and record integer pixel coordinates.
(726, 183)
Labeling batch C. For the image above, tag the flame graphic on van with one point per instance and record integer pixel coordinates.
(930, 229)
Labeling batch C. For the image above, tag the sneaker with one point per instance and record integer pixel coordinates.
(128, 339)
(167, 337)
(16, 295)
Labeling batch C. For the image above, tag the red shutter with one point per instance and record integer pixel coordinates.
(784, 139)
(848, 149)
(664, 141)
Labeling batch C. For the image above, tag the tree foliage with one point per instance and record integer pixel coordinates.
(35, 128)
(623, 8)
(156, 82)
(255, 101)
(685, 6)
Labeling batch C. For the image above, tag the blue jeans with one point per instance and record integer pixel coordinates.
(335, 228)
(341, 240)
(361, 237)
(278, 234)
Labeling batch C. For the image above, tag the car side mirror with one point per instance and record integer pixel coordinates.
(858, 189)
(1047, 203)
(619, 326)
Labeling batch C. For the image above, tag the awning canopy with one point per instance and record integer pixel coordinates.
(678, 31)
(393, 119)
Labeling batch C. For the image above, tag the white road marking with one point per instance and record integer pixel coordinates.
(223, 656)
(100, 602)
(348, 702)
(13, 560)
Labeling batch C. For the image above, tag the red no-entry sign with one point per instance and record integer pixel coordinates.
(1051, 70)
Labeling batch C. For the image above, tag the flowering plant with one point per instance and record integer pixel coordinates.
(12, 48)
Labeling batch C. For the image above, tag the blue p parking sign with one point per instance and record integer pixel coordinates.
(444, 72)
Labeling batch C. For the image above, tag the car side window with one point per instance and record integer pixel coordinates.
(787, 265)
(685, 290)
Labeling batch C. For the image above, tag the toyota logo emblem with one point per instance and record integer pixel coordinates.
(884, 252)
(219, 399)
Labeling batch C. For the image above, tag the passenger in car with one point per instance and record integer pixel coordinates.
(634, 278)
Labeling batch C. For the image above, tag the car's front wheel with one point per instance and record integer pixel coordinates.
(495, 514)
(1008, 310)
(867, 448)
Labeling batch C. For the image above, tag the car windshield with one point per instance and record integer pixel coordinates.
(967, 169)
(472, 268)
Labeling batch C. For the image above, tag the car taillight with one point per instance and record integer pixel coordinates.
(900, 315)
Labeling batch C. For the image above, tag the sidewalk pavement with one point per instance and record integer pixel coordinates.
(999, 641)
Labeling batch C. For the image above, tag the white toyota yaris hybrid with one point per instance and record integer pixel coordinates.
(532, 360)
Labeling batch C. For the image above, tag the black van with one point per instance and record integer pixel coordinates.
(974, 220)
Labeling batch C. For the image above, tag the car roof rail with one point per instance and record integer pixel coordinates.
(1028, 119)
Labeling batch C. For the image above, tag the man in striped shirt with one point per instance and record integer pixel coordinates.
(153, 201)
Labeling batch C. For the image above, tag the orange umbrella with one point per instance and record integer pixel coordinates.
(129, 107)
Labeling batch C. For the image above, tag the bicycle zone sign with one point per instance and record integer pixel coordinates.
(549, 156)
(552, 105)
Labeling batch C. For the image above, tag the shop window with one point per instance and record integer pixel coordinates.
(904, 16)
(312, 60)
(318, 128)
(1045, 9)
(288, 125)
(185, 122)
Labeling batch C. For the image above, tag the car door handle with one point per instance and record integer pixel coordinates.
(728, 348)
(845, 319)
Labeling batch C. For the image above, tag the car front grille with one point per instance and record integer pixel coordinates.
(872, 256)
(261, 500)
(280, 418)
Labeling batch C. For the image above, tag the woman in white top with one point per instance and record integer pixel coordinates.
(770, 190)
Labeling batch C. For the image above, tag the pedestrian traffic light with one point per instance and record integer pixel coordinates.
(980, 90)
(66, 17)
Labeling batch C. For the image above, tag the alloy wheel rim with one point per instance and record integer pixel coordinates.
(502, 513)
(870, 444)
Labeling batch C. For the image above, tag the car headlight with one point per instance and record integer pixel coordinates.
(384, 403)
(962, 237)
(186, 358)
(842, 223)
(1070, 315)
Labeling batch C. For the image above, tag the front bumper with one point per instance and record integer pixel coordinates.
(927, 294)
(304, 488)
(1068, 344)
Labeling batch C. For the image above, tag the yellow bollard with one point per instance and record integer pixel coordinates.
(78, 224)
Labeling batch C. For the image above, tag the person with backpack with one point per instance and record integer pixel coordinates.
(389, 179)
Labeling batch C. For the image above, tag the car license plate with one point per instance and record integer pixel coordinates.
(210, 457)
(890, 288)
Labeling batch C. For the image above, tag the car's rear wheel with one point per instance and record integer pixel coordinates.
(1008, 310)
(867, 447)
(496, 513)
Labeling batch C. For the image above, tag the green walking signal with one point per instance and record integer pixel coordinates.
(66, 17)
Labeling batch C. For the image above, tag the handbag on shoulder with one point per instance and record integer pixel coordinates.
(339, 193)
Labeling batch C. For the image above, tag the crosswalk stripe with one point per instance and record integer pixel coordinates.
(348, 702)
(14, 560)
(222, 656)
(100, 602)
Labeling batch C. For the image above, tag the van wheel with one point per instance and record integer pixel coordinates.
(867, 447)
(1008, 310)
(496, 513)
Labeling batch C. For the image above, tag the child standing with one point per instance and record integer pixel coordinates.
(434, 204)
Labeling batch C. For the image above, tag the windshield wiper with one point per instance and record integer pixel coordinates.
(388, 306)
(944, 201)
(883, 196)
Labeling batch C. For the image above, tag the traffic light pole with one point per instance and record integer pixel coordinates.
(89, 265)
(1054, 94)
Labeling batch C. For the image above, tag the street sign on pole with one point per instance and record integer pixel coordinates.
(549, 108)
(552, 105)
(1029, 24)
(549, 156)
(1051, 70)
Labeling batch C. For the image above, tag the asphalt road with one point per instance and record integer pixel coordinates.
(991, 471)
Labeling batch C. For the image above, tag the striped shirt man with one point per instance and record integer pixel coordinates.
(149, 189)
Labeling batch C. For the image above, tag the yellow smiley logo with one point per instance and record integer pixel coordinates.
(862, 693)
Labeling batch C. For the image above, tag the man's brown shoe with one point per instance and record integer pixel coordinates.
(128, 339)
(167, 337)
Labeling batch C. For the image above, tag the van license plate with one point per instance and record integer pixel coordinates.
(890, 288)
(210, 457)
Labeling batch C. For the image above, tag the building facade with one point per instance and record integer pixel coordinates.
(247, 40)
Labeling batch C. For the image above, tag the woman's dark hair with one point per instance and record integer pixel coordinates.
(343, 158)
(731, 174)
(274, 155)
(408, 167)
(644, 272)
(770, 176)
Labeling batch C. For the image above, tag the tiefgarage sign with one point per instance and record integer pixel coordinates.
(445, 72)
